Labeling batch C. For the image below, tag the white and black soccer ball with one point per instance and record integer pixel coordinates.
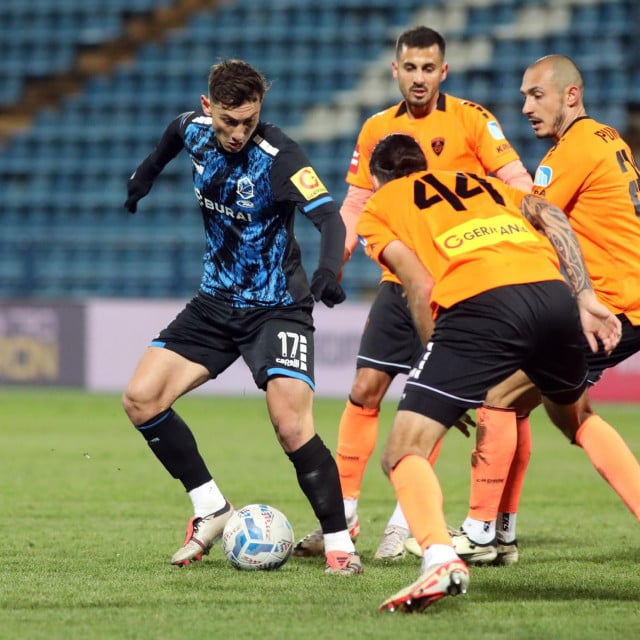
(257, 537)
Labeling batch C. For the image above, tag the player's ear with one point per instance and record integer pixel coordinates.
(573, 95)
(445, 70)
(205, 103)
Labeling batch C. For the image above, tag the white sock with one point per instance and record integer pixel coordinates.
(397, 518)
(350, 510)
(206, 499)
(437, 554)
(338, 541)
(506, 527)
(480, 531)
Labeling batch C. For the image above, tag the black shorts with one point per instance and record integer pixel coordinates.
(483, 340)
(272, 341)
(628, 345)
(389, 342)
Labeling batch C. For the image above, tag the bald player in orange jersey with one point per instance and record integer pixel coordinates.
(454, 134)
(591, 174)
(487, 298)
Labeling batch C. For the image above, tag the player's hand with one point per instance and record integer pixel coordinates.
(346, 256)
(464, 423)
(136, 189)
(598, 322)
(326, 288)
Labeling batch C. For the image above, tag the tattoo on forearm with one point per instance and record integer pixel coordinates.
(553, 222)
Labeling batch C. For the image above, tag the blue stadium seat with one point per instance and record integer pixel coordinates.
(66, 178)
(10, 88)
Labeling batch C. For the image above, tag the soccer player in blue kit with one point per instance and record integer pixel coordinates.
(254, 302)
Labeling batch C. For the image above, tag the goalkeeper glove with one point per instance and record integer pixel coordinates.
(326, 288)
(136, 189)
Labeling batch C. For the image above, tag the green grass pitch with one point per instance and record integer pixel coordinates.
(90, 520)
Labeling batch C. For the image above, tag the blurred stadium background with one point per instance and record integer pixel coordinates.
(87, 87)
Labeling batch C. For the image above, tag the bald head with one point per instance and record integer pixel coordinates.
(562, 71)
(552, 88)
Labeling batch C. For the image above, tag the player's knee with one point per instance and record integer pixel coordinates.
(292, 436)
(140, 406)
(569, 417)
(392, 454)
(585, 410)
(369, 387)
(128, 402)
(387, 462)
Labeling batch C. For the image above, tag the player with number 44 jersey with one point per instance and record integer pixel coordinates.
(455, 135)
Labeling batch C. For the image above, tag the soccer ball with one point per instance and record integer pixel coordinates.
(257, 537)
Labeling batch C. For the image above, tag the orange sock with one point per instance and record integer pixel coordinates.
(496, 437)
(420, 496)
(357, 436)
(513, 487)
(613, 459)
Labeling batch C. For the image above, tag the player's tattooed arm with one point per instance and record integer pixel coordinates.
(554, 224)
(598, 322)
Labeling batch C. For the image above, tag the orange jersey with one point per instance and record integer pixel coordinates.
(458, 135)
(591, 174)
(467, 230)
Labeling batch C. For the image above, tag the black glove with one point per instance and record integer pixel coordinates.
(326, 288)
(136, 190)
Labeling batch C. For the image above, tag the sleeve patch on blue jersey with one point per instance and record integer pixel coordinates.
(308, 184)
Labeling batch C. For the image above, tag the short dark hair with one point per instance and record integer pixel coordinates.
(420, 38)
(395, 156)
(234, 82)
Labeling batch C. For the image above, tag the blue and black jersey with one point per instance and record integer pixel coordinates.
(248, 200)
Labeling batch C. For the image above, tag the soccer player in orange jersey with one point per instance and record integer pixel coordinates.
(487, 298)
(591, 174)
(454, 134)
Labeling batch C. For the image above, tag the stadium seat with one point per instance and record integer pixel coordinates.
(66, 177)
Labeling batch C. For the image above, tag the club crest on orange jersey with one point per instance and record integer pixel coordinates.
(437, 144)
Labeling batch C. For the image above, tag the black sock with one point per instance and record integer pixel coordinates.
(319, 480)
(172, 442)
